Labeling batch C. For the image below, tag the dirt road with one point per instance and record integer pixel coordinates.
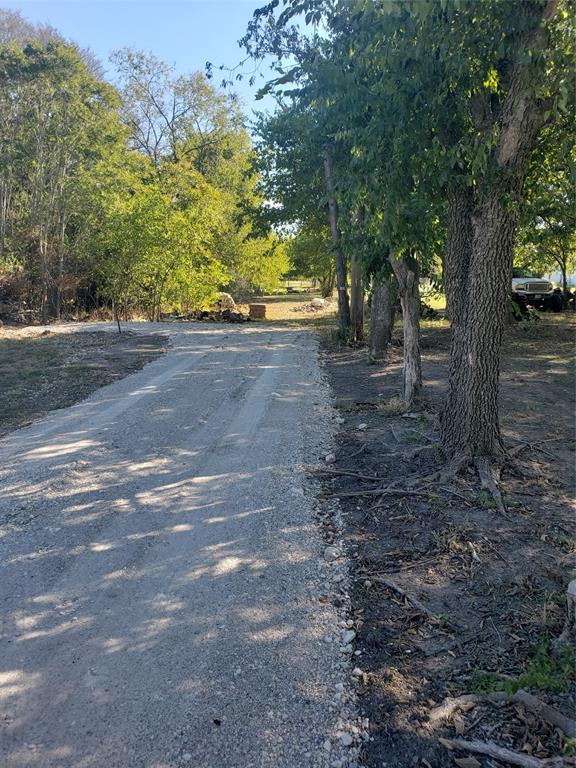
(160, 570)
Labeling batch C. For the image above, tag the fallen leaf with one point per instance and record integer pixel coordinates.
(446, 743)
(467, 762)
(459, 725)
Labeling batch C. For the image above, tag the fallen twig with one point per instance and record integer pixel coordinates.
(546, 712)
(503, 754)
(407, 596)
(413, 452)
(422, 434)
(381, 492)
(358, 452)
(345, 472)
(516, 449)
(455, 493)
(457, 643)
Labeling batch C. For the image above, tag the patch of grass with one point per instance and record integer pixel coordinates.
(486, 500)
(344, 405)
(546, 671)
(341, 338)
(283, 309)
(570, 748)
(395, 406)
(451, 539)
(565, 543)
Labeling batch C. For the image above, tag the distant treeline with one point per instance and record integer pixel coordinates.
(141, 197)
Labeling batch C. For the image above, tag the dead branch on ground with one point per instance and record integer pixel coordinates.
(534, 704)
(505, 755)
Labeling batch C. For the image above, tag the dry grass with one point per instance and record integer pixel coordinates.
(288, 308)
(42, 370)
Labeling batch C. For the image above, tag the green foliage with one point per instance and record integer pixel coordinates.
(410, 96)
(145, 197)
(546, 670)
(310, 253)
(547, 234)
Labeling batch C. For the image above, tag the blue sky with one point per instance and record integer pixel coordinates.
(185, 33)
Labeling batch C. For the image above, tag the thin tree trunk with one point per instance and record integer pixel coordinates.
(564, 279)
(356, 299)
(44, 277)
(382, 316)
(327, 285)
(407, 274)
(341, 276)
(357, 288)
(60, 267)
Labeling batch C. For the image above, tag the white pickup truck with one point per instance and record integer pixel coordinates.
(535, 291)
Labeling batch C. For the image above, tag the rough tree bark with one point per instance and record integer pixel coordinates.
(341, 277)
(406, 269)
(470, 424)
(382, 316)
(479, 256)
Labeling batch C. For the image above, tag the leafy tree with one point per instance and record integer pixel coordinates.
(547, 232)
(173, 116)
(446, 102)
(57, 120)
(310, 253)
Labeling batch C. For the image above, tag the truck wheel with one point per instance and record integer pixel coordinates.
(556, 304)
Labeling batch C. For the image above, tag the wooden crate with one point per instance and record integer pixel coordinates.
(257, 311)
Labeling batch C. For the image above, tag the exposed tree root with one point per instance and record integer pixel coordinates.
(406, 455)
(415, 485)
(341, 472)
(489, 479)
(445, 475)
(504, 755)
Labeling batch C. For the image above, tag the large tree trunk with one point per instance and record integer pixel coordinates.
(341, 276)
(470, 425)
(356, 299)
(382, 316)
(456, 261)
(407, 274)
(479, 256)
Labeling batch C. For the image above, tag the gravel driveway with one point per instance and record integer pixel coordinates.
(160, 566)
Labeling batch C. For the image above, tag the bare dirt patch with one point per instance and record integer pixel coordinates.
(450, 597)
(42, 370)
